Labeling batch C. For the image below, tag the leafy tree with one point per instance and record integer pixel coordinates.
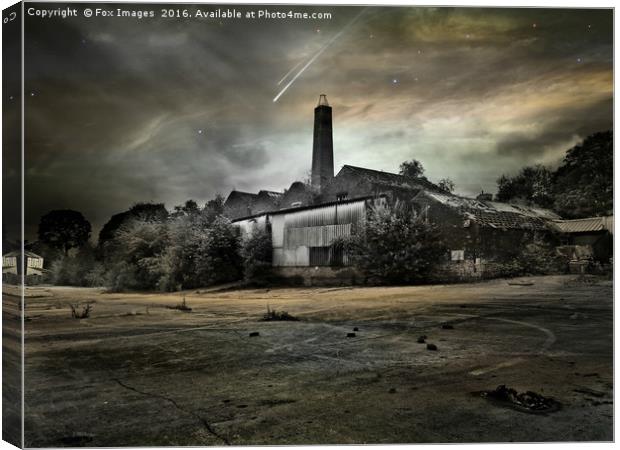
(532, 185)
(584, 182)
(77, 270)
(446, 184)
(136, 262)
(395, 245)
(64, 229)
(411, 169)
(257, 253)
(214, 208)
(152, 212)
(190, 207)
(219, 256)
(581, 187)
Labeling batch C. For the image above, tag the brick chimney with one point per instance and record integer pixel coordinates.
(322, 146)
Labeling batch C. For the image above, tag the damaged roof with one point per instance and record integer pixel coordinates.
(495, 214)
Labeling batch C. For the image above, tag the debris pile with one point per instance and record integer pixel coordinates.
(527, 401)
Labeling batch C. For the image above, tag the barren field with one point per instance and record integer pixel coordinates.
(137, 372)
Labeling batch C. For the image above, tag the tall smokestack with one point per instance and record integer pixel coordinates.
(323, 145)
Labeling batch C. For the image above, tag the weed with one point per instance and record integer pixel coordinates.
(273, 315)
(85, 313)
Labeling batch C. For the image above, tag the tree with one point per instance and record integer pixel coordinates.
(136, 259)
(411, 169)
(152, 212)
(257, 253)
(64, 229)
(532, 185)
(219, 254)
(395, 246)
(446, 184)
(214, 208)
(583, 184)
(188, 208)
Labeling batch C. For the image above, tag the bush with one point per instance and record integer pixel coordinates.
(395, 245)
(257, 253)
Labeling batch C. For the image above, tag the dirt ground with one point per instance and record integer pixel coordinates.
(139, 373)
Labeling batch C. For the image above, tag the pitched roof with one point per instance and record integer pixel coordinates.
(388, 178)
(588, 225)
(247, 196)
(495, 214)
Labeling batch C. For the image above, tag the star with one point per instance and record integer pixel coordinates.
(419, 51)
(578, 60)
(534, 25)
(32, 94)
(199, 131)
(11, 97)
(318, 30)
(394, 81)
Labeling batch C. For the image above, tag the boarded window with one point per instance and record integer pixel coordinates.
(457, 255)
(327, 256)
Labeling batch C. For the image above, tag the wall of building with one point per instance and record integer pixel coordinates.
(304, 238)
(318, 276)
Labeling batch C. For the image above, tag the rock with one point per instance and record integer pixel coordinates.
(431, 347)
(254, 334)
(392, 391)
(356, 329)
(447, 326)
(350, 335)
(421, 339)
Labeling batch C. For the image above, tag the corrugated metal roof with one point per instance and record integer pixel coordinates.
(588, 225)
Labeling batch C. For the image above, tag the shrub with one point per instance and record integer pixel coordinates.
(395, 245)
(257, 253)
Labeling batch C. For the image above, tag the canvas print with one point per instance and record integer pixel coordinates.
(230, 224)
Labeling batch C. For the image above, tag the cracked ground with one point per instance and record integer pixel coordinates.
(139, 373)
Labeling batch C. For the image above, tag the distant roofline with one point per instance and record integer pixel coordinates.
(301, 208)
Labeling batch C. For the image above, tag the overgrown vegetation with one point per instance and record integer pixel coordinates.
(395, 246)
(581, 187)
(537, 256)
(257, 253)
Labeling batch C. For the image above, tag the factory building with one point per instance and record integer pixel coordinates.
(307, 219)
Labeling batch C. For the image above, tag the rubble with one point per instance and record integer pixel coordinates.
(528, 401)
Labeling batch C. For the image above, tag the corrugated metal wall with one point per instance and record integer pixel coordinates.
(304, 238)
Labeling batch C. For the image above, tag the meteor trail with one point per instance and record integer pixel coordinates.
(316, 55)
(290, 72)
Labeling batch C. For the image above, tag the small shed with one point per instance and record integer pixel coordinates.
(11, 265)
(591, 232)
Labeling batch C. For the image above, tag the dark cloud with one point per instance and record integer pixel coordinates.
(128, 110)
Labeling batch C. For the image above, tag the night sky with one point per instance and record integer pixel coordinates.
(122, 110)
